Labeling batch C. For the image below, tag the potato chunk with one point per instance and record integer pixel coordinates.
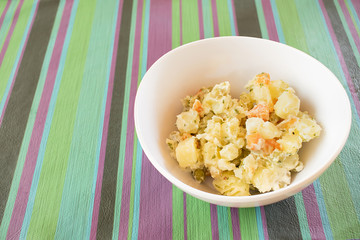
(288, 104)
(188, 121)
(187, 153)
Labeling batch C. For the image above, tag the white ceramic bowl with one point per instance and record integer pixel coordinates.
(184, 70)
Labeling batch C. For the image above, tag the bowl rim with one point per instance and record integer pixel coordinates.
(272, 196)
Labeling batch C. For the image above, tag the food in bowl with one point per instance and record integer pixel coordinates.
(248, 145)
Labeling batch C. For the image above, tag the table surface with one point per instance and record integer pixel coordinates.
(71, 164)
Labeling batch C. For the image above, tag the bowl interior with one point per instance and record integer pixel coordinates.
(185, 70)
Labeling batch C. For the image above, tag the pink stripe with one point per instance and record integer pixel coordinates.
(235, 21)
(214, 222)
(313, 213)
(158, 211)
(350, 24)
(356, 4)
(4, 13)
(270, 22)
(97, 197)
(18, 65)
(201, 20)
(235, 223)
(11, 31)
(215, 18)
(31, 157)
(341, 58)
(263, 219)
(129, 148)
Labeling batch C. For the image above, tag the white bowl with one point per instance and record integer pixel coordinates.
(184, 70)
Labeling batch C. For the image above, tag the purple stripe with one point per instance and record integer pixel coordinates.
(341, 58)
(201, 20)
(356, 5)
(158, 211)
(214, 222)
(97, 197)
(270, 22)
(185, 216)
(235, 223)
(313, 213)
(31, 157)
(235, 21)
(9, 35)
(129, 148)
(215, 18)
(263, 219)
(160, 27)
(350, 24)
(4, 13)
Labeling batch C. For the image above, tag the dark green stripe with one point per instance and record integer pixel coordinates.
(108, 189)
(17, 112)
(344, 43)
(282, 220)
(247, 18)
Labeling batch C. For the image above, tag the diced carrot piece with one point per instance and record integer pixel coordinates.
(260, 111)
(197, 106)
(256, 143)
(262, 78)
(270, 145)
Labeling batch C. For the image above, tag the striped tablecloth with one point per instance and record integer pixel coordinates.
(71, 166)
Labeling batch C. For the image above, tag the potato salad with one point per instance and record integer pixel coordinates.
(248, 145)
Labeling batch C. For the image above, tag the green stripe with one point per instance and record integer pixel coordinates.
(14, 45)
(48, 197)
(289, 21)
(7, 21)
(207, 18)
(82, 159)
(261, 18)
(348, 33)
(198, 219)
(190, 21)
(301, 212)
(178, 213)
(248, 223)
(223, 18)
(119, 181)
(342, 217)
(29, 127)
(2, 6)
(230, 223)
